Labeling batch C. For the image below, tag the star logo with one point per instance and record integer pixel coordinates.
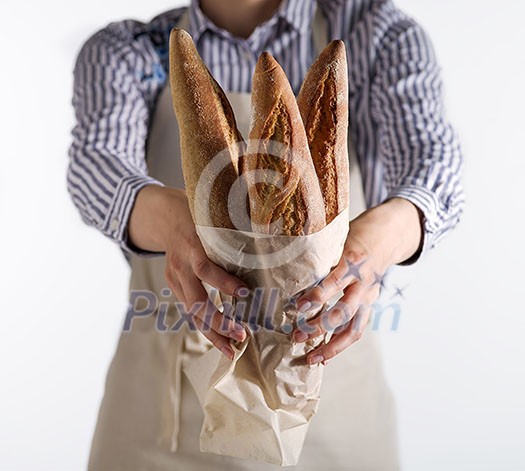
(379, 280)
(399, 291)
(352, 269)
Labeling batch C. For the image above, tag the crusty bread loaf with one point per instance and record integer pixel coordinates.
(207, 127)
(323, 103)
(304, 142)
(293, 206)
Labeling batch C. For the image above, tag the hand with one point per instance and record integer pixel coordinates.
(380, 237)
(161, 222)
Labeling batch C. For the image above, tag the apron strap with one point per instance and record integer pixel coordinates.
(184, 20)
(319, 31)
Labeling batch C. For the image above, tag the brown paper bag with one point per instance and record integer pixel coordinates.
(259, 405)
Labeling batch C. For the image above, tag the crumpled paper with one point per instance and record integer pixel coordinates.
(259, 405)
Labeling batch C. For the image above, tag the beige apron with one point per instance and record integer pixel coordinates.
(150, 418)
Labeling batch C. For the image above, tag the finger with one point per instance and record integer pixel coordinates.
(195, 294)
(315, 297)
(342, 340)
(346, 272)
(367, 301)
(341, 313)
(219, 341)
(211, 273)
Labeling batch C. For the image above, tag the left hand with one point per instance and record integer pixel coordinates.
(380, 237)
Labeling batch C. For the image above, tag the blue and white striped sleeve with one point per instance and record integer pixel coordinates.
(107, 165)
(420, 149)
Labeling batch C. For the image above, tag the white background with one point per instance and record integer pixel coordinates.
(456, 362)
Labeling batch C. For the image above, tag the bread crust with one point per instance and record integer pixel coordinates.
(207, 127)
(323, 104)
(295, 207)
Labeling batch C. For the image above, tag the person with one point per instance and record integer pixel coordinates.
(125, 179)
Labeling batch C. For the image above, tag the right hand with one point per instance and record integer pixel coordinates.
(161, 222)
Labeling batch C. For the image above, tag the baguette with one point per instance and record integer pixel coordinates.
(323, 104)
(207, 127)
(294, 205)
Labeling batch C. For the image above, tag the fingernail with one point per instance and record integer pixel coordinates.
(315, 359)
(304, 306)
(241, 291)
(228, 352)
(300, 336)
(238, 328)
(237, 333)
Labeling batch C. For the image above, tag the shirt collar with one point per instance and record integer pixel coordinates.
(297, 13)
(198, 22)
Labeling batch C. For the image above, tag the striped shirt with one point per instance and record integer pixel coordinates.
(405, 145)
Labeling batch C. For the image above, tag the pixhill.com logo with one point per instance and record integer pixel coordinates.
(345, 298)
